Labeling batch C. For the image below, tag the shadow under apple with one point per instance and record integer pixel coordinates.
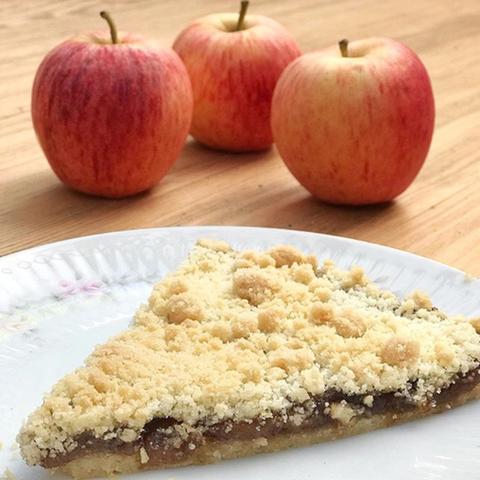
(195, 153)
(300, 210)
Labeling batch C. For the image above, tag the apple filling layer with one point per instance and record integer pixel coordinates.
(252, 349)
(162, 443)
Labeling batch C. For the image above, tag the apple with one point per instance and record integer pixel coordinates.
(234, 62)
(111, 114)
(354, 124)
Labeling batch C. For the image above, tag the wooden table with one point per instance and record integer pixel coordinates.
(438, 216)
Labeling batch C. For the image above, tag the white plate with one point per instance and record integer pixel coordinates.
(57, 301)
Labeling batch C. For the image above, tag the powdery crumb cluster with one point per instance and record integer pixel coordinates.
(237, 336)
(8, 475)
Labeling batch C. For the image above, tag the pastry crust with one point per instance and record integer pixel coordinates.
(238, 338)
(101, 465)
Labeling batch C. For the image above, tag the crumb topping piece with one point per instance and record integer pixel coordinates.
(239, 336)
(399, 351)
(183, 306)
(475, 322)
(8, 475)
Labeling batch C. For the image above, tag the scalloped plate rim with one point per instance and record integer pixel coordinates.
(61, 243)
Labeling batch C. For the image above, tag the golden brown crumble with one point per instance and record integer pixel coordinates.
(183, 306)
(144, 458)
(475, 322)
(420, 300)
(256, 287)
(238, 336)
(342, 412)
(399, 351)
(285, 255)
(8, 475)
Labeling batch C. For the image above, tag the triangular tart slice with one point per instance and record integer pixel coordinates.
(238, 353)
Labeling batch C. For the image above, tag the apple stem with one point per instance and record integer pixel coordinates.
(111, 24)
(343, 44)
(241, 16)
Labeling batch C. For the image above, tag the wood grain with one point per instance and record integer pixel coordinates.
(438, 216)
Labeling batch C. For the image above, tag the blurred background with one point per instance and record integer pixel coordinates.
(436, 216)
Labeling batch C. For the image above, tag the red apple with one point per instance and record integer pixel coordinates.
(354, 127)
(111, 115)
(234, 63)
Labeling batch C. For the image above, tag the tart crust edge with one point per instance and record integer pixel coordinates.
(104, 464)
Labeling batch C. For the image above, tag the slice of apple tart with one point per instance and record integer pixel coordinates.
(238, 353)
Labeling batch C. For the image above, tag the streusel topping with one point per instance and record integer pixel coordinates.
(245, 335)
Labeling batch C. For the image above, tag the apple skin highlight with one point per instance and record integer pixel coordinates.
(111, 118)
(355, 130)
(233, 75)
